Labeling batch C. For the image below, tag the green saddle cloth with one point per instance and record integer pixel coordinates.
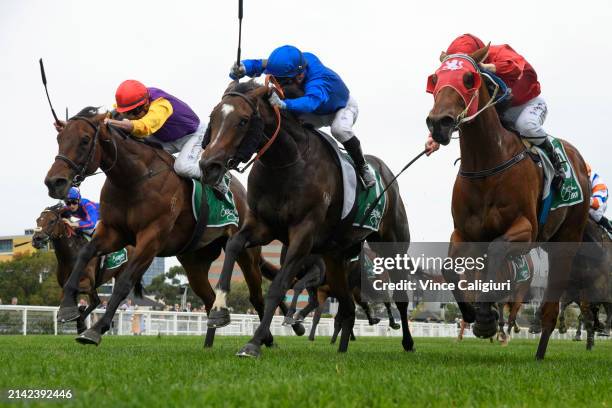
(220, 212)
(571, 193)
(115, 259)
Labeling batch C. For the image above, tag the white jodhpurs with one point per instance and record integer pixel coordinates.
(341, 122)
(189, 149)
(528, 119)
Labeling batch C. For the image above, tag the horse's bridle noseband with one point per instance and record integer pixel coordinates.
(81, 170)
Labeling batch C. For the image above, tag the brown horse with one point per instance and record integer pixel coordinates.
(497, 194)
(145, 204)
(66, 244)
(295, 196)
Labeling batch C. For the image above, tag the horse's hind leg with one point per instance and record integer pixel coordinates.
(337, 278)
(514, 309)
(588, 319)
(392, 323)
(197, 264)
(501, 334)
(322, 296)
(337, 329)
(562, 326)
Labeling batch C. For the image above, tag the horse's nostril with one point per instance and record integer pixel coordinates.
(447, 121)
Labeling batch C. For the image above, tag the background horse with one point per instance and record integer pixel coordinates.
(497, 195)
(295, 196)
(143, 203)
(66, 245)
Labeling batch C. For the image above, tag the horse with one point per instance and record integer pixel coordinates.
(295, 196)
(143, 203)
(66, 244)
(590, 285)
(497, 193)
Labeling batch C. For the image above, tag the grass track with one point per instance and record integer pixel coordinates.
(177, 372)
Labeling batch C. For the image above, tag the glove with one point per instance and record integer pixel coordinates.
(275, 100)
(237, 71)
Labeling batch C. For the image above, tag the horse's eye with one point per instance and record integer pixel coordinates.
(52, 222)
(243, 122)
(85, 140)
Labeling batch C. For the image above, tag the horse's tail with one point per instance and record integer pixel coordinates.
(268, 270)
(138, 289)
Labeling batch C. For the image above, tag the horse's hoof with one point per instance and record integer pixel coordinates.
(298, 318)
(409, 347)
(89, 336)
(395, 326)
(311, 338)
(218, 318)
(562, 329)
(373, 321)
(535, 330)
(485, 331)
(298, 329)
(577, 339)
(249, 350)
(288, 321)
(68, 314)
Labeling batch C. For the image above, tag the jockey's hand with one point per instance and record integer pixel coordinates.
(70, 223)
(59, 126)
(124, 124)
(488, 67)
(431, 145)
(275, 100)
(237, 71)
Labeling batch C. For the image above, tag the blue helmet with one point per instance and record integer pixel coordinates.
(73, 194)
(285, 61)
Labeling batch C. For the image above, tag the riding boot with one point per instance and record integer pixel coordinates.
(605, 223)
(353, 148)
(559, 176)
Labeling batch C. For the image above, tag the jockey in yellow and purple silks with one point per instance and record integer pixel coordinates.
(85, 210)
(599, 199)
(326, 100)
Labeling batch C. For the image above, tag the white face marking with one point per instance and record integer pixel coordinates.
(226, 109)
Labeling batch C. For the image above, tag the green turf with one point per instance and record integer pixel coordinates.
(178, 372)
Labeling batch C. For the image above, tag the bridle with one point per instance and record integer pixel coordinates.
(232, 162)
(51, 234)
(462, 117)
(81, 170)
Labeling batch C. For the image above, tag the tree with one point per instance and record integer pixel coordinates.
(31, 279)
(238, 298)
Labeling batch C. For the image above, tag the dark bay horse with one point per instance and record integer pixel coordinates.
(497, 195)
(143, 203)
(66, 245)
(295, 196)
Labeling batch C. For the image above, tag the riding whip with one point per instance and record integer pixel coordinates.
(373, 205)
(44, 80)
(239, 31)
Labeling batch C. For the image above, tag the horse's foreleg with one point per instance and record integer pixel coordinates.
(468, 312)
(105, 240)
(300, 245)
(251, 234)
(147, 246)
(392, 323)
(588, 319)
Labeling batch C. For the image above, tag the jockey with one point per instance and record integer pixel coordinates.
(528, 109)
(326, 100)
(155, 115)
(599, 200)
(86, 211)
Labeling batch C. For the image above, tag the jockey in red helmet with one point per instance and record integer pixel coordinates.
(528, 109)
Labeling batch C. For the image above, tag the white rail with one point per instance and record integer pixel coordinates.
(43, 320)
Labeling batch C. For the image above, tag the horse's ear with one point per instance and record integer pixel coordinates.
(481, 54)
(443, 56)
(260, 92)
(231, 86)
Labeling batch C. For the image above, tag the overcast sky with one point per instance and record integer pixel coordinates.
(384, 51)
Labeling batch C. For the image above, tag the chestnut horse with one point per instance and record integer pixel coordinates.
(66, 245)
(497, 194)
(143, 203)
(295, 196)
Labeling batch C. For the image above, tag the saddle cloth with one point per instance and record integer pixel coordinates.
(220, 212)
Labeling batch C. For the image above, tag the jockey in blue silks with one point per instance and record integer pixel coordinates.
(86, 211)
(326, 101)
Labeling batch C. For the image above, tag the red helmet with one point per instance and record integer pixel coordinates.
(465, 44)
(130, 94)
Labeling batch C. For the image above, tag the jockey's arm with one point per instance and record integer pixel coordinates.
(506, 68)
(254, 67)
(90, 217)
(309, 103)
(159, 111)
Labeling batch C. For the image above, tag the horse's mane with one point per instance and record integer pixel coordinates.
(88, 112)
(245, 87)
(55, 207)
